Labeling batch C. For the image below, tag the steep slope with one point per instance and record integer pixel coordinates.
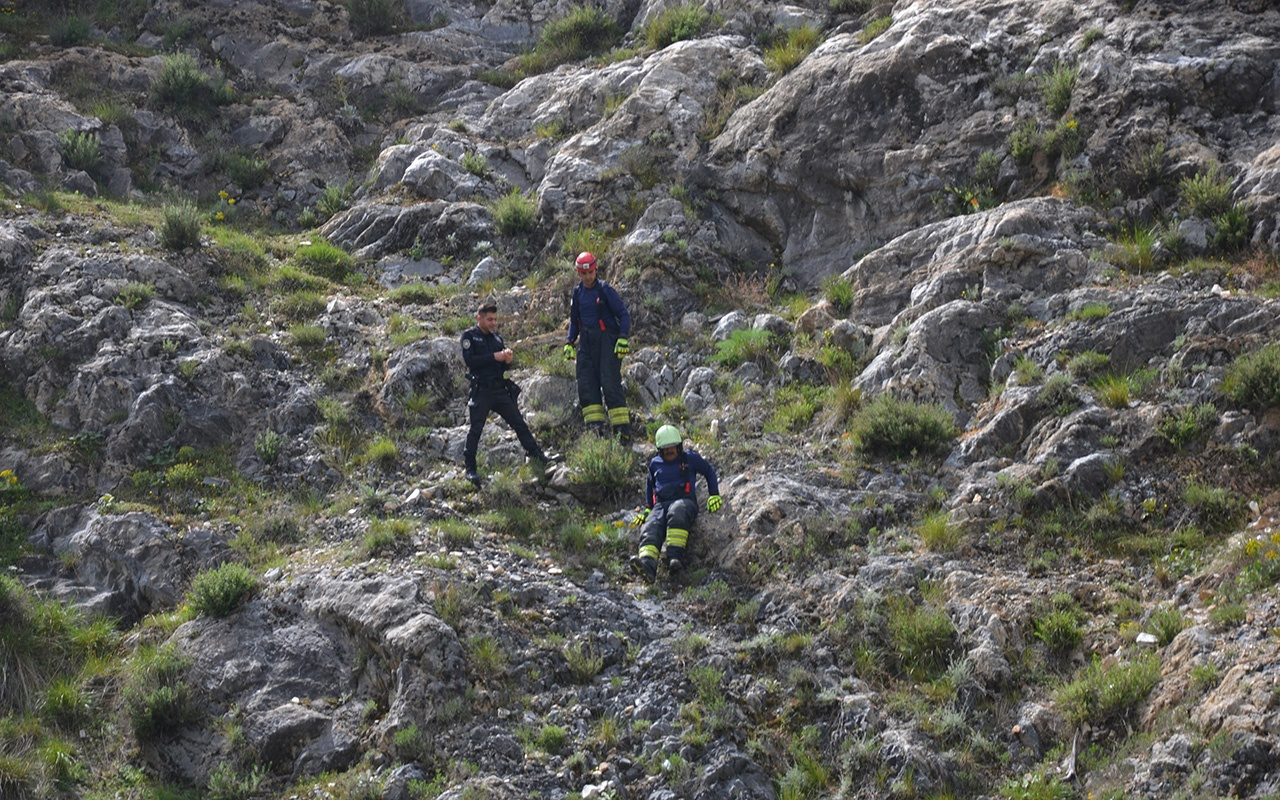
(972, 305)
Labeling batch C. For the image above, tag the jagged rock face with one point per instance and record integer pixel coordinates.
(854, 146)
(837, 167)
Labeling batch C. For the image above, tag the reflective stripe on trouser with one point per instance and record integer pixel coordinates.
(668, 523)
(648, 551)
(593, 413)
(619, 416)
(599, 374)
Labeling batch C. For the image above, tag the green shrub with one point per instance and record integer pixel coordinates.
(750, 344)
(1036, 786)
(181, 88)
(874, 28)
(1216, 509)
(387, 535)
(1253, 379)
(247, 172)
(585, 31)
(922, 638)
(1181, 428)
(382, 452)
(373, 17)
(230, 782)
(675, 24)
(939, 534)
(71, 31)
(157, 699)
(307, 336)
(218, 592)
(515, 212)
(1230, 230)
(325, 260)
(81, 150)
(1166, 623)
(1024, 140)
(1059, 630)
(838, 292)
(302, 305)
(600, 466)
(891, 428)
(1206, 194)
(1135, 249)
(1057, 86)
(584, 662)
(180, 227)
(135, 295)
(1107, 693)
(794, 407)
(476, 164)
(335, 198)
(783, 57)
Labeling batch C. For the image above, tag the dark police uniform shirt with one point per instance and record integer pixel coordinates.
(477, 352)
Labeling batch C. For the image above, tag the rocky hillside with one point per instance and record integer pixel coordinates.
(972, 304)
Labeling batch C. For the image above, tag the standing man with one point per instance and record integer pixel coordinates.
(598, 315)
(488, 358)
(671, 495)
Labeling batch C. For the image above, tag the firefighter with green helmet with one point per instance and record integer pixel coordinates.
(671, 499)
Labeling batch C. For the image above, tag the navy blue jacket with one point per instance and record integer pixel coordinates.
(598, 307)
(671, 480)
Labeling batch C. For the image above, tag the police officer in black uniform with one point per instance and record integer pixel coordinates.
(488, 358)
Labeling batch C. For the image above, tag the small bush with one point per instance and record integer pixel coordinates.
(180, 227)
(382, 452)
(247, 172)
(1230, 230)
(1059, 630)
(1057, 86)
(600, 466)
(268, 446)
(922, 637)
(1216, 509)
(838, 292)
(71, 31)
(373, 17)
(181, 88)
(135, 295)
(1166, 623)
(335, 198)
(1206, 194)
(1253, 379)
(1104, 693)
(218, 592)
(785, 56)
(939, 534)
(387, 535)
(891, 428)
(156, 697)
(584, 662)
(307, 337)
(325, 260)
(1135, 249)
(676, 24)
(476, 164)
(585, 31)
(874, 28)
(515, 212)
(1036, 786)
(750, 344)
(81, 150)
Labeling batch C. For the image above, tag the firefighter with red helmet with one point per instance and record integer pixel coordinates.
(599, 324)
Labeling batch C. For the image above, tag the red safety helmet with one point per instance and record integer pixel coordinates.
(585, 263)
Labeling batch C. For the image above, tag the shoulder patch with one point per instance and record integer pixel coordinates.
(466, 342)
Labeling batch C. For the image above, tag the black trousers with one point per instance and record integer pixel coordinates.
(500, 402)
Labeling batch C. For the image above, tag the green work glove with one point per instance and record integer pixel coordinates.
(568, 352)
(621, 348)
(640, 517)
(713, 503)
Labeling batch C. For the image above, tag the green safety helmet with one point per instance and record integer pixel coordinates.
(667, 436)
